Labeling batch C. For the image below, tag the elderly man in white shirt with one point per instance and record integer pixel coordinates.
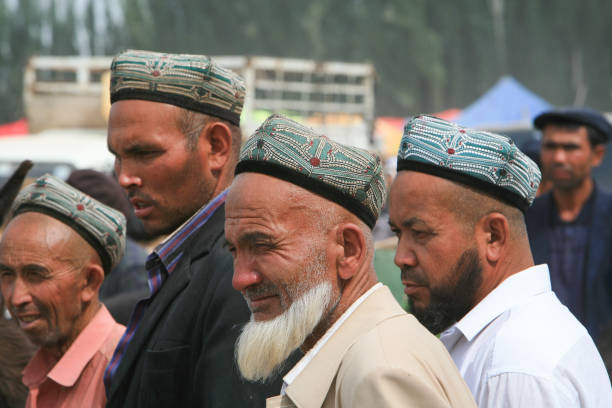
(457, 207)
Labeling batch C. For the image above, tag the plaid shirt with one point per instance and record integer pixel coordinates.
(160, 265)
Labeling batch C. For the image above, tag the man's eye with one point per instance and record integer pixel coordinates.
(420, 234)
(262, 246)
(147, 153)
(5, 275)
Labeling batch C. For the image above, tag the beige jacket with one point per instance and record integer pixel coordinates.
(379, 357)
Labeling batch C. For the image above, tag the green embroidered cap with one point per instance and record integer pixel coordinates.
(103, 227)
(347, 175)
(486, 161)
(194, 82)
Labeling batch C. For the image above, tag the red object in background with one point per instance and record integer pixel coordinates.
(19, 127)
(449, 114)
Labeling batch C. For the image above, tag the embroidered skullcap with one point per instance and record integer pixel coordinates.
(194, 82)
(100, 225)
(347, 175)
(485, 161)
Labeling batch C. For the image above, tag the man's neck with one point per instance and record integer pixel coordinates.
(58, 350)
(570, 202)
(350, 293)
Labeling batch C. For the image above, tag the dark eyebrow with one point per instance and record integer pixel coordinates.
(250, 238)
(563, 145)
(410, 222)
(137, 148)
(36, 268)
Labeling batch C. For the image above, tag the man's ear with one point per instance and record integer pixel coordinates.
(217, 145)
(493, 234)
(93, 276)
(598, 154)
(353, 249)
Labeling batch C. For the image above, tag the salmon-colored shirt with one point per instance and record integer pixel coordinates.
(76, 379)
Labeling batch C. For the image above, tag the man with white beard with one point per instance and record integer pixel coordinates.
(299, 218)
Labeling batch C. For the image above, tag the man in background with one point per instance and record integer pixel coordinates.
(54, 254)
(299, 221)
(174, 131)
(570, 228)
(457, 206)
(127, 282)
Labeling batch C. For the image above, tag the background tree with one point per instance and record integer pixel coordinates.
(428, 55)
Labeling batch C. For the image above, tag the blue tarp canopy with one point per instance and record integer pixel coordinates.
(508, 104)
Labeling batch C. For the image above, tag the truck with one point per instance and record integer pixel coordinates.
(335, 98)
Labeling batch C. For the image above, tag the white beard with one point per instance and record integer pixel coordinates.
(263, 347)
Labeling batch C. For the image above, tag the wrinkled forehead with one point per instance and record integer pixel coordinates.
(33, 231)
(259, 190)
(260, 200)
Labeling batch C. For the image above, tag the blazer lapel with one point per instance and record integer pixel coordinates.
(175, 284)
(198, 245)
(310, 388)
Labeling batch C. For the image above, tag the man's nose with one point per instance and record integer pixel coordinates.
(404, 255)
(19, 293)
(126, 176)
(245, 274)
(560, 156)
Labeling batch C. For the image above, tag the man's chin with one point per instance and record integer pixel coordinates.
(263, 347)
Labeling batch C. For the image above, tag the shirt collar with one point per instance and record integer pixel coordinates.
(68, 369)
(512, 291)
(170, 247)
(301, 365)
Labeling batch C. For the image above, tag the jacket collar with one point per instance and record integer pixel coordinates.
(310, 388)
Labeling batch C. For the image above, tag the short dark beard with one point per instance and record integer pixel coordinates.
(450, 302)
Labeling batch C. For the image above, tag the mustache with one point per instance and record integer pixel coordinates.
(134, 193)
(562, 166)
(30, 308)
(412, 275)
(260, 291)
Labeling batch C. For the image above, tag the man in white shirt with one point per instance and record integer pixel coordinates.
(299, 218)
(457, 207)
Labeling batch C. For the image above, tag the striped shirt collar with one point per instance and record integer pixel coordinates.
(168, 250)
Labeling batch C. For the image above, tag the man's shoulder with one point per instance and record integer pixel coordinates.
(532, 337)
(399, 350)
(398, 343)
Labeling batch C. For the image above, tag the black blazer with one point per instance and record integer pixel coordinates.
(598, 288)
(182, 355)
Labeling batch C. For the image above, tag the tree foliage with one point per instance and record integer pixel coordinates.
(428, 55)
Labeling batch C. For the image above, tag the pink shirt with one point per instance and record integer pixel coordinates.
(76, 379)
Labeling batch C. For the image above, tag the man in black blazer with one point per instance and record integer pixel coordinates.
(570, 228)
(174, 131)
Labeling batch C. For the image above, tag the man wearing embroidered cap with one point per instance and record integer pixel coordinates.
(54, 254)
(174, 131)
(570, 228)
(457, 206)
(299, 220)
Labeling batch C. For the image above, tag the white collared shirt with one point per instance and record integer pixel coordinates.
(520, 347)
(301, 365)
